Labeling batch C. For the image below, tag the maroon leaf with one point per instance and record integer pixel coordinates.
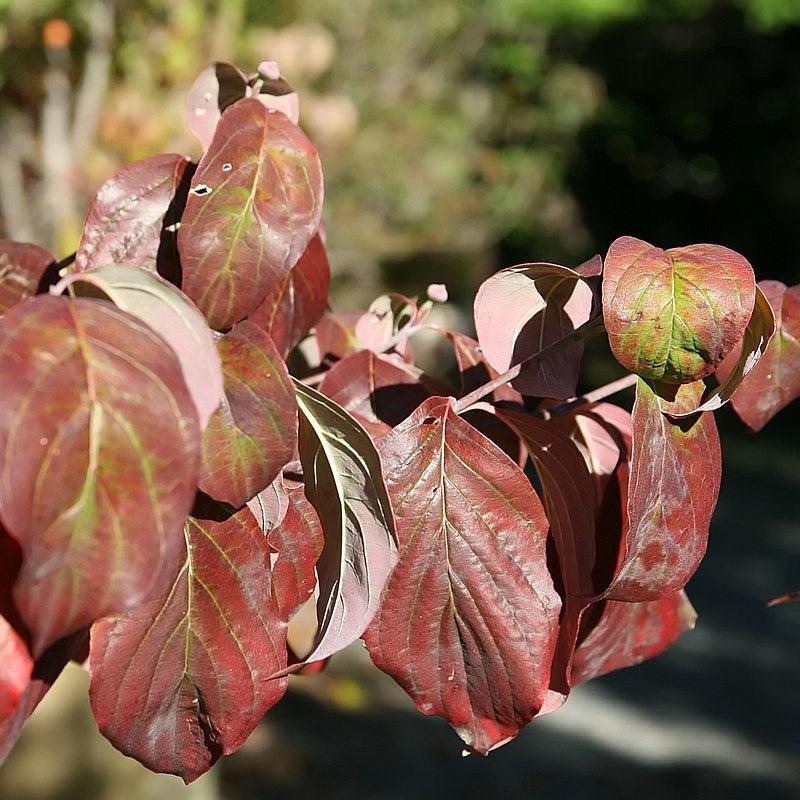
(673, 315)
(774, 382)
(292, 308)
(129, 219)
(344, 482)
(255, 203)
(675, 474)
(568, 493)
(624, 634)
(165, 309)
(99, 445)
(379, 391)
(22, 267)
(468, 620)
(185, 677)
(253, 433)
(298, 542)
(523, 310)
(335, 334)
(789, 597)
(45, 671)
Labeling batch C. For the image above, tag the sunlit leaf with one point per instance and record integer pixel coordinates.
(22, 267)
(774, 381)
(185, 678)
(675, 473)
(344, 482)
(673, 315)
(292, 308)
(220, 85)
(253, 433)
(133, 218)
(523, 310)
(171, 315)
(618, 635)
(99, 446)
(468, 621)
(254, 205)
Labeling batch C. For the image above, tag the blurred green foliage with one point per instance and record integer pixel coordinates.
(454, 135)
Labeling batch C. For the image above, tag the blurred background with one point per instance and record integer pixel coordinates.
(457, 137)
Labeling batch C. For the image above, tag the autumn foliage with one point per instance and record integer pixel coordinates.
(171, 493)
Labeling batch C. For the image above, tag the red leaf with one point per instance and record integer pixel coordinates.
(468, 620)
(253, 434)
(624, 634)
(168, 312)
(16, 665)
(22, 267)
(270, 505)
(775, 381)
(675, 474)
(45, 671)
(185, 678)
(129, 218)
(379, 391)
(255, 203)
(100, 448)
(298, 542)
(673, 315)
(523, 310)
(296, 304)
(568, 493)
(335, 334)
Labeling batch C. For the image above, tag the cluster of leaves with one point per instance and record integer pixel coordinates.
(171, 495)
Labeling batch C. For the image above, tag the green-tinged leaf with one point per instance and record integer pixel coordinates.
(185, 677)
(344, 482)
(254, 204)
(673, 315)
(253, 433)
(99, 447)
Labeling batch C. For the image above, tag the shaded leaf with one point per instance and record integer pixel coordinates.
(379, 391)
(296, 304)
(568, 493)
(171, 315)
(475, 370)
(774, 381)
(344, 482)
(298, 542)
(270, 505)
(22, 267)
(523, 310)
(185, 678)
(254, 205)
(99, 445)
(623, 634)
(675, 473)
(468, 621)
(130, 217)
(335, 334)
(253, 433)
(673, 315)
